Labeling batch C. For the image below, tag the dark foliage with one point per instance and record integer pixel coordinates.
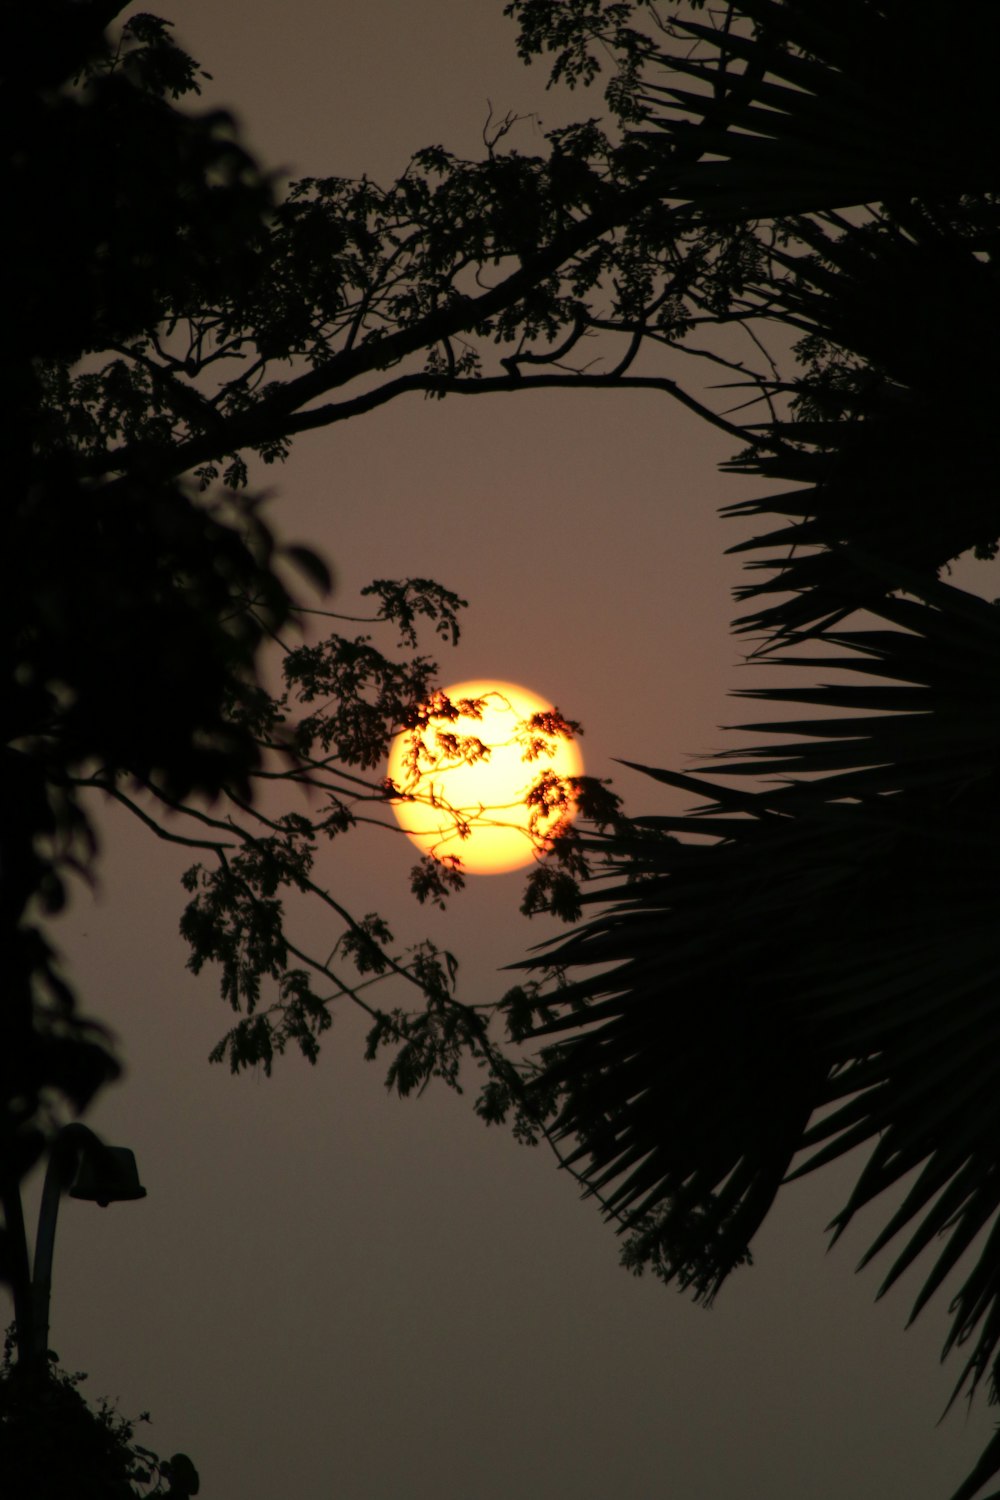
(181, 332)
(53, 1446)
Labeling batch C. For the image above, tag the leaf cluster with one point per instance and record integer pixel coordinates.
(95, 1455)
(130, 610)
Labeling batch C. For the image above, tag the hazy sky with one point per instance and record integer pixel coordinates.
(332, 1293)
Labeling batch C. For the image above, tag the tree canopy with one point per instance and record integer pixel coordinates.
(796, 196)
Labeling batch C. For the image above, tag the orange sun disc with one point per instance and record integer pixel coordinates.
(467, 779)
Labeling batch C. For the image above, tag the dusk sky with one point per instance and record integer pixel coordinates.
(330, 1292)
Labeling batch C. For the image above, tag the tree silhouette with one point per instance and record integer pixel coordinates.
(153, 341)
(192, 324)
(807, 167)
(156, 339)
(104, 586)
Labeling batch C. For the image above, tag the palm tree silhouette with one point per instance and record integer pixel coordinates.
(808, 962)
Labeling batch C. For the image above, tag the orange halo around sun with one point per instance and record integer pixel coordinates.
(487, 797)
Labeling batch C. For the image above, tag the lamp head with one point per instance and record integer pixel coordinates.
(106, 1174)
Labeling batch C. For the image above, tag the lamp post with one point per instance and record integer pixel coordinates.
(80, 1163)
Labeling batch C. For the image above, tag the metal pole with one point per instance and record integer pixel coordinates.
(20, 1269)
(69, 1145)
(45, 1241)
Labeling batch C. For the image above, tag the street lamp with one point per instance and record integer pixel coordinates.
(83, 1165)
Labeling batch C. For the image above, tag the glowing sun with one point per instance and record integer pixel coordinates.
(467, 775)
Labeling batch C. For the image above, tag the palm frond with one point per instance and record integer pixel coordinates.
(818, 972)
(803, 110)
